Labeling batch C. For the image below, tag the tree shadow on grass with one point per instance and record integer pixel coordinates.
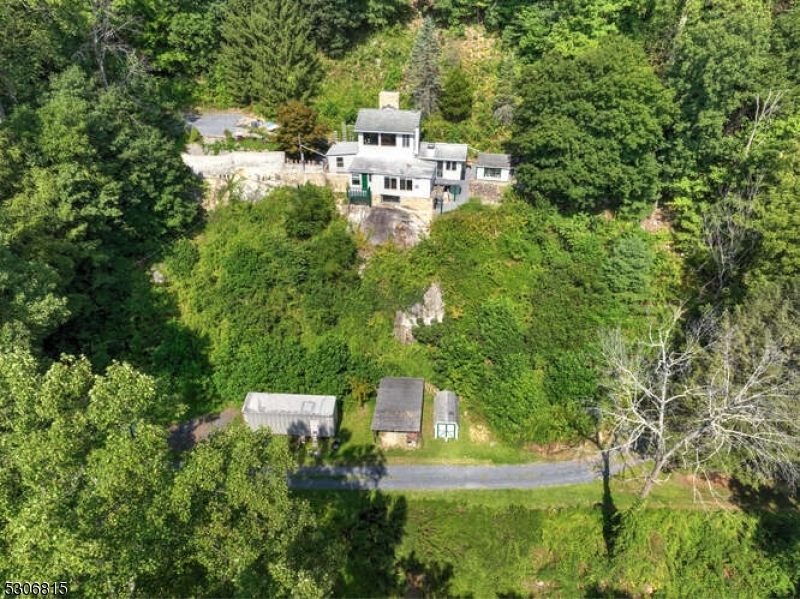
(420, 579)
(778, 528)
(371, 525)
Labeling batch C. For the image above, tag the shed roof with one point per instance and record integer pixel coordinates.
(412, 168)
(445, 407)
(343, 148)
(387, 120)
(399, 405)
(443, 151)
(493, 160)
(287, 403)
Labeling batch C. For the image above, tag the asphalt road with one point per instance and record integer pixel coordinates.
(406, 478)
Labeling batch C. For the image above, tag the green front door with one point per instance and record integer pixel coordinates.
(364, 181)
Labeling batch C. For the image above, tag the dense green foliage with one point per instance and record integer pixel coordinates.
(267, 54)
(456, 100)
(299, 125)
(90, 495)
(589, 129)
(455, 544)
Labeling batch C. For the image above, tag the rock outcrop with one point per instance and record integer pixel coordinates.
(429, 311)
(383, 223)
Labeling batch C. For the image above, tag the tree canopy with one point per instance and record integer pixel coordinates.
(589, 129)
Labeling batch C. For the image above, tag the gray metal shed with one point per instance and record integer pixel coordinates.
(445, 415)
(295, 415)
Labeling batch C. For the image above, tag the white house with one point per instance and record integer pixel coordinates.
(340, 156)
(494, 167)
(391, 164)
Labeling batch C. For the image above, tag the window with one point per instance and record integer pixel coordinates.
(389, 183)
(491, 173)
(390, 199)
(388, 139)
(370, 139)
(406, 184)
(339, 162)
(451, 166)
(406, 141)
(355, 180)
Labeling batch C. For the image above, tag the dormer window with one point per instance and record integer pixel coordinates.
(370, 139)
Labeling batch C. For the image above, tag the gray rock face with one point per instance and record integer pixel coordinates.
(429, 311)
(383, 223)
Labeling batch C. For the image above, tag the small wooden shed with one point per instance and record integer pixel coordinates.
(293, 415)
(398, 411)
(445, 415)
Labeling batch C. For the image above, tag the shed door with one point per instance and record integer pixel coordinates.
(314, 428)
(446, 430)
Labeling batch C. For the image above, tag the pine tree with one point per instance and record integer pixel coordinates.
(456, 100)
(505, 99)
(423, 69)
(267, 55)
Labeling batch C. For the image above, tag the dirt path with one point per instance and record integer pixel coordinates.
(185, 435)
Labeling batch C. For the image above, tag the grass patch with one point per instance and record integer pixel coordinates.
(553, 542)
(476, 445)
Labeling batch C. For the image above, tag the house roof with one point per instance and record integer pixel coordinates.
(287, 403)
(215, 124)
(443, 151)
(411, 168)
(493, 160)
(399, 405)
(445, 407)
(387, 120)
(343, 148)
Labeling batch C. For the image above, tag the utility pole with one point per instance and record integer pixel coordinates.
(302, 157)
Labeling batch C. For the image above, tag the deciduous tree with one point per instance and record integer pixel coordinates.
(589, 129)
(709, 398)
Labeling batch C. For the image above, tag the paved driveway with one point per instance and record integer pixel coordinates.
(405, 478)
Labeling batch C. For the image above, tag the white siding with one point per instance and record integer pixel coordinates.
(421, 188)
(395, 151)
(333, 163)
(505, 175)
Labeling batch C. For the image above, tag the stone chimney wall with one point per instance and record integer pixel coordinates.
(389, 99)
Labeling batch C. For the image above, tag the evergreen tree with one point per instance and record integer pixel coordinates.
(268, 54)
(423, 69)
(456, 100)
(505, 99)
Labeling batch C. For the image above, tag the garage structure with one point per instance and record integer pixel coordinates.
(398, 411)
(294, 415)
(445, 415)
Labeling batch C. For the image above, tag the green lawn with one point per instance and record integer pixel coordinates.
(553, 542)
(475, 445)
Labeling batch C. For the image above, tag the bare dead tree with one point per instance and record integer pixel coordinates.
(107, 38)
(763, 115)
(704, 401)
(729, 235)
